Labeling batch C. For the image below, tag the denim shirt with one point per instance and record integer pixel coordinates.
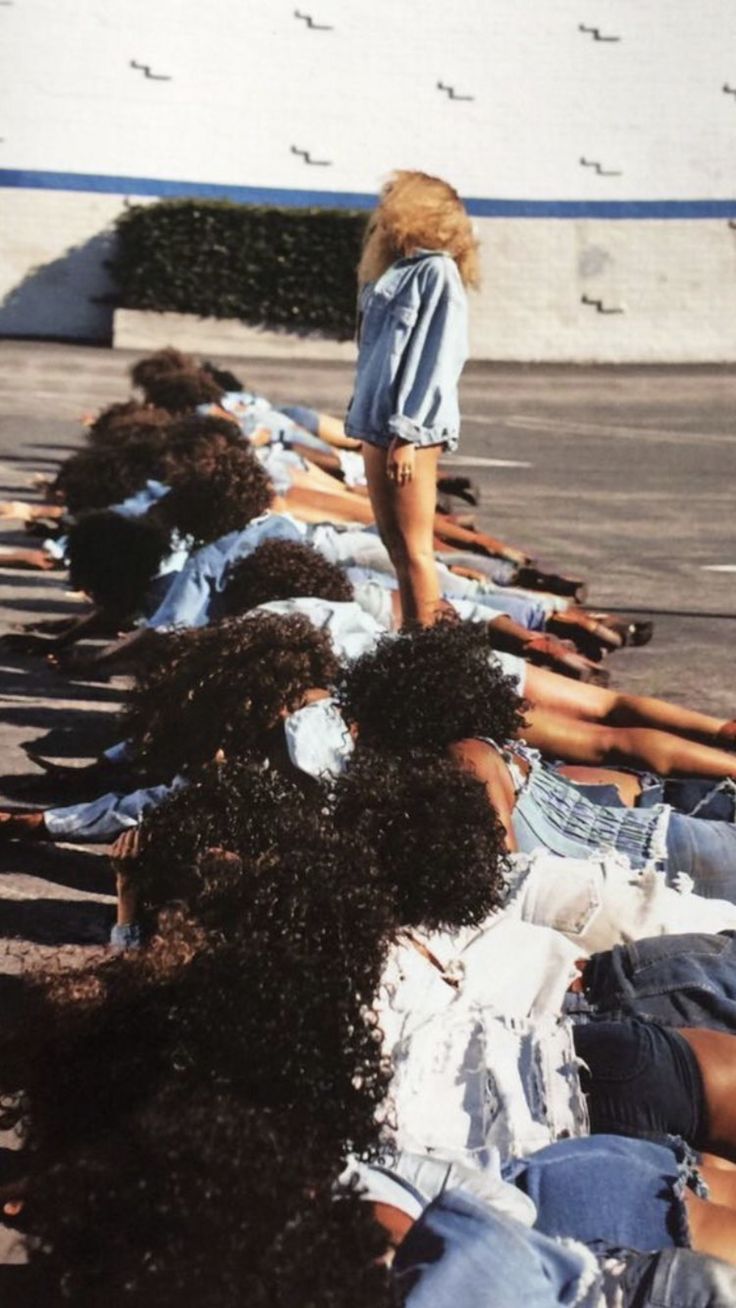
(413, 344)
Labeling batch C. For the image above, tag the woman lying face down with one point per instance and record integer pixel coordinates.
(436, 688)
(216, 691)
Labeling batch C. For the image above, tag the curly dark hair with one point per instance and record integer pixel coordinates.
(117, 412)
(238, 806)
(99, 476)
(156, 365)
(208, 1201)
(283, 569)
(182, 432)
(224, 378)
(430, 687)
(126, 422)
(272, 1003)
(180, 392)
(437, 843)
(114, 558)
(235, 490)
(224, 687)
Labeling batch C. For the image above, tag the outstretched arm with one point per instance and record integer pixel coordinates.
(25, 511)
(478, 541)
(127, 652)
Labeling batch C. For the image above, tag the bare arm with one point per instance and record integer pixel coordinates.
(24, 511)
(81, 627)
(485, 763)
(477, 541)
(510, 637)
(126, 652)
(38, 560)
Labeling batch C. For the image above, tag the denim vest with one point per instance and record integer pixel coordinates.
(413, 344)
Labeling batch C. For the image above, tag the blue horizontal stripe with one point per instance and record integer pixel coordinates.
(479, 208)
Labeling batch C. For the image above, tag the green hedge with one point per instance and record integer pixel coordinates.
(274, 267)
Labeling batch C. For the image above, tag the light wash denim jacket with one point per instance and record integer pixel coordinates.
(413, 344)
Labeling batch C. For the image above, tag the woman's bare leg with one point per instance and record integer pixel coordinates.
(596, 704)
(712, 1227)
(715, 1052)
(577, 740)
(405, 516)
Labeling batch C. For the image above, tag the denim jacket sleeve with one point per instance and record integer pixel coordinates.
(432, 357)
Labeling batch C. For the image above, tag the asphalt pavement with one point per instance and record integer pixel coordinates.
(624, 476)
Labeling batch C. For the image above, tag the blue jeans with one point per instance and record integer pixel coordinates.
(607, 1190)
(680, 980)
(706, 851)
(677, 1278)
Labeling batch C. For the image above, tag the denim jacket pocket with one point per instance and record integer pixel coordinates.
(402, 319)
(373, 319)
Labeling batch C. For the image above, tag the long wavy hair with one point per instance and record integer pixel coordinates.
(416, 211)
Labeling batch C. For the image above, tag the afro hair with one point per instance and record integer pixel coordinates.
(99, 476)
(159, 364)
(430, 687)
(225, 687)
(281, 569)
(115, 558)
(436, 841)
(182, 391)
(235, 490)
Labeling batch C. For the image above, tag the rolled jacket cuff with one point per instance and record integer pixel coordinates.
(408, 430)
(127, 936)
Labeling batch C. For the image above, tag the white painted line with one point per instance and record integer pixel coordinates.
(718, 567)
(467, 461)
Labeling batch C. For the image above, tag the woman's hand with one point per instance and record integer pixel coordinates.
(516, 556)
(401, 461)
(125, 849)
(18, 510)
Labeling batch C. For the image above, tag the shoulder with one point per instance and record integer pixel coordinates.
(439, 271)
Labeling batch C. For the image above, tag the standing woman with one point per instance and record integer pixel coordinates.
(419, 256)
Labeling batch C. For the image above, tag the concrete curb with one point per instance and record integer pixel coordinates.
(143, 329)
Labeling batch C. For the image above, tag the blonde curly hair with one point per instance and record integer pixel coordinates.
(416, 211)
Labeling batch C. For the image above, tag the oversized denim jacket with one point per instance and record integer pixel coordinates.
(413, 344)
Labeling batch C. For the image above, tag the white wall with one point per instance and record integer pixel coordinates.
(248, 81)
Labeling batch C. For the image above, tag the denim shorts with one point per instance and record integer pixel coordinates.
(706, 851)
(679, 980)
(641, 1080)
(607, 1191)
